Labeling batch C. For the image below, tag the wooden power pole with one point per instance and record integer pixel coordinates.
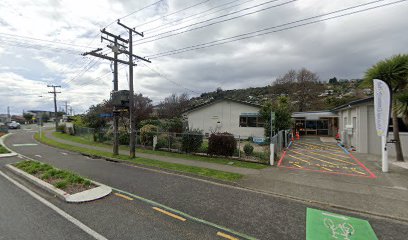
(55, 103)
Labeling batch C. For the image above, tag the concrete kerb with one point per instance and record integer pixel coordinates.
(12, 153)
(85, 196)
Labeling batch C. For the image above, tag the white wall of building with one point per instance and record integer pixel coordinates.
(227, 113)
(364, 136)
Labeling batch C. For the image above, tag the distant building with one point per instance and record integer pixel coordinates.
(227, 115)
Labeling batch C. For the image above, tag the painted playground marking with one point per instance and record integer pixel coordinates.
(317, 158)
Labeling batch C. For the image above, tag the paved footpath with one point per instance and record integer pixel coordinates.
(254, 214)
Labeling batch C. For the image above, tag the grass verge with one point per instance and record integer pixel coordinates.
(3, 150)
(216, 174)
(223, 161)
(59, 178)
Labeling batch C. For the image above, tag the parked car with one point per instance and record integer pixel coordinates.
(14, 125)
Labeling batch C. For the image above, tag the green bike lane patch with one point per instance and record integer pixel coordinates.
(322, 225)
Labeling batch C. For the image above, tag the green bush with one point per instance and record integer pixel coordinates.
(162, 141)
(146, 134)
(124, 138)
(222, 144)
(248, 149)
(192, 140)
(71, 131)
(61, 128)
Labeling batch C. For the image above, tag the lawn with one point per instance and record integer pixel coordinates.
(224, 161)
(68, 181)
(216, 174)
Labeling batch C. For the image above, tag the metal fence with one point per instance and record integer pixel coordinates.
(281, 140)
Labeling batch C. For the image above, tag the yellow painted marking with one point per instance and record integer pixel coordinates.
(298, 158)
(328, 169)
(333, 158)
(343, 156)
(226, 236)
(318, 159)
(124, 196)
(297, 165)
(169, 214)
(320, 146)
(354, 170)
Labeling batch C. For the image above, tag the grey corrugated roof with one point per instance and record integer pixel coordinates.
(220, 100)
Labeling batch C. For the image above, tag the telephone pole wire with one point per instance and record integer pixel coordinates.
(55, 103)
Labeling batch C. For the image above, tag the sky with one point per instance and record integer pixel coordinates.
(254, 42)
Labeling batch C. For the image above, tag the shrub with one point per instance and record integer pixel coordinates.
(61, 128)
(146, 134)
(162, 141)
(222, 144)
(248, 149)
(192, 140)
(124, 137)
(71, 131)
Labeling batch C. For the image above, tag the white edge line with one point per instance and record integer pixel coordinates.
(56, 209)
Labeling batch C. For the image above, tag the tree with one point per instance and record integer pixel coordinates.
(402, 106)
(283, 114)
(143, 108)
(28, 117)
(333, 80)
(393, 71)
(173, 106)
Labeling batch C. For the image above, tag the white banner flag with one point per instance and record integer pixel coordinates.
(382, 98)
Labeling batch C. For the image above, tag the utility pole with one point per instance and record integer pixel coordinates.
(8, 115)
(55, 103)
(132, 141)
(66, 107)
(116, 51)
(70, 111)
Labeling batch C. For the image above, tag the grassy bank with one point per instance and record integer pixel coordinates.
(68, 181)
(224, 161)
(221, 175)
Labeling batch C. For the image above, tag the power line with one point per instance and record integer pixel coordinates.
(138, 10)
(197, 15)
(262, 31)
(170, 14)
(168, 79)
(213, 23)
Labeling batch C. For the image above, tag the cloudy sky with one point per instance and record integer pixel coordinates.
(195, 45)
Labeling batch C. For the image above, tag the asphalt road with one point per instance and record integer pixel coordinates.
(255, 214)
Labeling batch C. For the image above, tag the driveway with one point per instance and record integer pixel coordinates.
(311, 154)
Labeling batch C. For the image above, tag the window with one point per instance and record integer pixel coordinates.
(251, 121)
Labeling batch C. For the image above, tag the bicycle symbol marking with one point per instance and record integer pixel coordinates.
(340, 231)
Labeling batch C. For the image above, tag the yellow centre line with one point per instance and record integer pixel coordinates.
(298, 158)
(318, 159)
(226, 236)
(169, 214)
(327, 169)
(333, 158)
(124, 196)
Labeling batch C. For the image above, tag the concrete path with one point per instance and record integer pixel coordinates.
(215, 166)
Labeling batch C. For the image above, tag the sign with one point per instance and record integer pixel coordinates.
(321, 225)
(106, 115)
(382, 98)
(258, 140)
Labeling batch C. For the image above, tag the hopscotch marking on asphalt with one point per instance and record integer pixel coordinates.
(315, 158)
(298, 158)
(65, 215)
(333, 158)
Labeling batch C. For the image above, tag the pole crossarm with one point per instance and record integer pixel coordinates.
(92, 53)
(111, 41)
(135, 56)
(114, 36)
(130, 29)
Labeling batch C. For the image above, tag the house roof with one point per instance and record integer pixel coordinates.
(220, 100)
(352, 103)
